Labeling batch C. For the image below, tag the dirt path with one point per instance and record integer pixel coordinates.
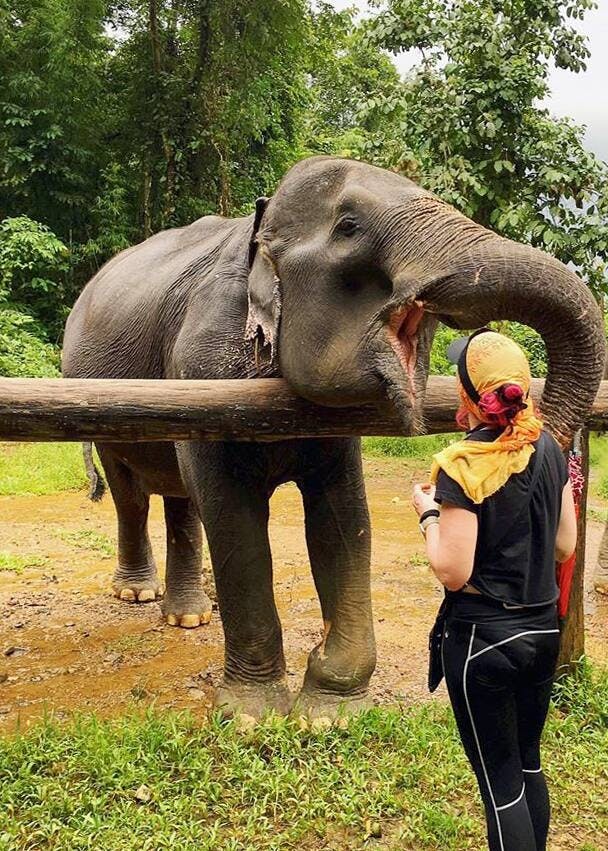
(66, 644)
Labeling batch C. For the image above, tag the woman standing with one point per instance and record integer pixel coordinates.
(507, 515)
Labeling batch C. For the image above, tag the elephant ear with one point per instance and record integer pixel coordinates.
(264, 290)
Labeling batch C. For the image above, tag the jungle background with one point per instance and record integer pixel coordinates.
(118, 119)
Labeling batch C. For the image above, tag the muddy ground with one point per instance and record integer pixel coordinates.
(66, 644)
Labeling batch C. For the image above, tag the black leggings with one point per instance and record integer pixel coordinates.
(499, 667)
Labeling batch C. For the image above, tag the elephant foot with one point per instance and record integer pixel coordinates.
(601, 586)
(136, 587)
(320, 709)
(249, 702)
(186, 610)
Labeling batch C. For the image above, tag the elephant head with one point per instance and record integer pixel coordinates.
(352, 267)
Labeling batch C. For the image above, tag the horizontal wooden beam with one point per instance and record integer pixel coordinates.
(262, 409)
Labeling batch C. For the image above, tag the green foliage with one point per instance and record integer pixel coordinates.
(173, 780)
(583, 697)
(51, 109)
(598, 459)
(23, 351)
(467, 122)
(33, 263)
(119, 119)
(530, 341)
(439, 364)
(41, 468)
(18, 563)
(345, 70)
(206, 101)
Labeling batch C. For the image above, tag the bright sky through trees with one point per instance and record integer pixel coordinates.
(581, 96)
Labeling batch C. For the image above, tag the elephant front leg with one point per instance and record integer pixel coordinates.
(339, 542)
(234, 511)
(185, 602)
(135, 578)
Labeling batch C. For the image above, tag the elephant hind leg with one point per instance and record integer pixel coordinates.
(185, 602)
(135, 578)
(233, 504)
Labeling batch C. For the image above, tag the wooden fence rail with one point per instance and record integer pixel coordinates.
(264, 409)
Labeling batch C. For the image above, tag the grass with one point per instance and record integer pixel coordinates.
(18, 563)
(598, 458)
(418, 560)
(420, 448)
(88, 539)
(166, 781)
(41, 468)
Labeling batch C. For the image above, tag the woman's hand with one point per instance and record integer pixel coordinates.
(423, 498)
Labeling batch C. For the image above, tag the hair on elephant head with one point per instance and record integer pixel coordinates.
(352, 266)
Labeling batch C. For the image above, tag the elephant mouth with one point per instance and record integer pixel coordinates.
(403, 325)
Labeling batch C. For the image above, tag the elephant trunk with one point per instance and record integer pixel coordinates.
(500, 279)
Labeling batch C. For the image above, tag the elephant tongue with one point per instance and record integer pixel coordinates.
(403, 327)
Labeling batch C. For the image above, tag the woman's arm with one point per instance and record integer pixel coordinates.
(565, 542)
(450, 546)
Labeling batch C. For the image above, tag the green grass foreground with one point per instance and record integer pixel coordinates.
(390, 780)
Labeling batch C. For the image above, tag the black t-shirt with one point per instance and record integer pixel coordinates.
(515, 553)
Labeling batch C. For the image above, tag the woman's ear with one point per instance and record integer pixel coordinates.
(264, 292)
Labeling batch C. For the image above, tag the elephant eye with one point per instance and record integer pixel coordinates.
(346, 226)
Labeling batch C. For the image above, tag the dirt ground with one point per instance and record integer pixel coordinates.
(66, 644)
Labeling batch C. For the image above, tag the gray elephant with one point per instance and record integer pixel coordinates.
(336, 283)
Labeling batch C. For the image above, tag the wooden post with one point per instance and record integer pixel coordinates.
(572, 645)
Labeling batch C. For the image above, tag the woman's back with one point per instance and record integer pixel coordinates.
(515, 552)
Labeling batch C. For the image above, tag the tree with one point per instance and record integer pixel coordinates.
(33, 262)
(345, 69)
(207, 100)
(468, 123)
(51, 106)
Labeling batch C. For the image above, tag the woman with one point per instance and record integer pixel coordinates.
(507, 515)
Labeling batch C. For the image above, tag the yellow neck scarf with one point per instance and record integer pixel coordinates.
(481, 469)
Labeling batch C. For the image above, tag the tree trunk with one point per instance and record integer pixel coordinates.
(198, 118)
(146, 198)
(158, 66)
(225, 189)
(573, 629)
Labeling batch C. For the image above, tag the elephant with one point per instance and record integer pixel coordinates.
(336, 283)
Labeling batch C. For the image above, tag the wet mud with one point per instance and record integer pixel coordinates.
(67, 645)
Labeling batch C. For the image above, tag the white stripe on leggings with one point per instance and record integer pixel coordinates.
(483, 765)
(516, 801)
(512, 638)
(531, 770)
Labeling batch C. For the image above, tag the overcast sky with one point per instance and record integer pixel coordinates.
(584, 97)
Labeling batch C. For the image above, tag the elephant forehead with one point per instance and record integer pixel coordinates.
(317, 188)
